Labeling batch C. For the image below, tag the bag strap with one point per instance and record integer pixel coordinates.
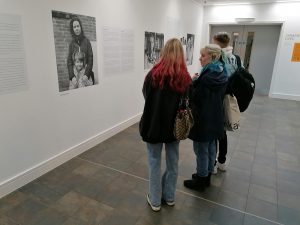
(238, 61)
(184, 100)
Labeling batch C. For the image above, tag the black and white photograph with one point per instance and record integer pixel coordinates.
(190, 48)
(75, 48)
(153, 45)
(183, 40)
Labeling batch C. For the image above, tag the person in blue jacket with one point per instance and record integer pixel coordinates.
(207, 106)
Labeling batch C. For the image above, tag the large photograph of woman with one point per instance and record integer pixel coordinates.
(75, 48)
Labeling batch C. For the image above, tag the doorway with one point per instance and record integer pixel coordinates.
(257, 46)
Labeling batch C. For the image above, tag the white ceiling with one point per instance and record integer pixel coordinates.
(213, 2)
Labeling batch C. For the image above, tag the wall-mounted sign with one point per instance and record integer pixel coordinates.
(292, 37)
(296, 53)
(13, 77)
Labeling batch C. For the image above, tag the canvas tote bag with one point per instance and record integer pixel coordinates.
(232, 113)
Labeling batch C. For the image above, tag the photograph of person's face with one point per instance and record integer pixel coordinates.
(78, 64)
(76, 28)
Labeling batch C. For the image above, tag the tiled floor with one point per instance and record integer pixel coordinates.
(108, 183)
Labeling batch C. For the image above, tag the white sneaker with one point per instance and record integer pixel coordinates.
(221, 166)
(215, 171)
(172, 203)
(154, 208)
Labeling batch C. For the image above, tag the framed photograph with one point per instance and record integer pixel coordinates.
(154, 42)
(190, 48)
(75, 49)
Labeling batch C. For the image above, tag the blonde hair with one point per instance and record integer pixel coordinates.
(214, 50)
(171, 69)
(173, 51)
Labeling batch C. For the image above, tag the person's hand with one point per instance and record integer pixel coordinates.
(74, 81)
(84, 78)
(195, 76)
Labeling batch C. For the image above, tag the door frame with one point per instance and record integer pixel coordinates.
(261, 23)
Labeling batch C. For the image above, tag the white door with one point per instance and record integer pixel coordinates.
(257, 46)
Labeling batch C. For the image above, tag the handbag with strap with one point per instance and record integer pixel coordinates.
(184, 120)
(232, 113)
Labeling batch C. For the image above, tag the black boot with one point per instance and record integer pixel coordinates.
(194, 175)
(198, 183)
(207, 183)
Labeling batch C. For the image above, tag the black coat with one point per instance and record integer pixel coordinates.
(157, 122)
(206, 98)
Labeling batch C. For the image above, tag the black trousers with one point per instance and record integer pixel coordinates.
(222, 148)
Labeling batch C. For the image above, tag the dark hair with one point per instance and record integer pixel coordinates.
(222, 38)
(71, 27)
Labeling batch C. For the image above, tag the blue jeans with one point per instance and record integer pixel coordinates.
(165, 186)
(206, 157)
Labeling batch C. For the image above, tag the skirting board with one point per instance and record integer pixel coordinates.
(285, 96)
(40, 169)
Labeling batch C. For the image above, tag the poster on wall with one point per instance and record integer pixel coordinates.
(75, 49)
(118, 50)
(296, 53)
(152, 47)
(13, 76)
(189, 48)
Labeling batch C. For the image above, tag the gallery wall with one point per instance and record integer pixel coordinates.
(43, 126)
(285, 79)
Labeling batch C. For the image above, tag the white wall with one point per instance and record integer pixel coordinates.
(42, 128)
(286, 80)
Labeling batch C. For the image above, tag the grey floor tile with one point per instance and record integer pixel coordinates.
(233, 173)
(119, 217)
(74, 221)
(262, 208)
(225, 216)
(47, 217)
(264, 181)
(241, 164)
(288, 216)
(11, 200)
(26, 210)
(232, 199)
(263, 193)
(265, 170)
(253, 220)
(289, 176)
(288, 165)
(289, 200)
(237, 186)
(265, 158)
(70, 203)
(41, 192)
(288, 187)
(4, 220)
(93, 212)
